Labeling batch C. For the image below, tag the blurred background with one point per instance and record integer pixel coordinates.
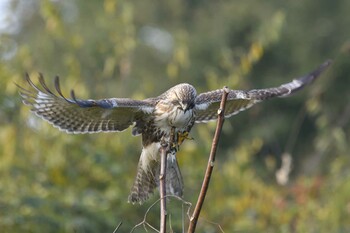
(282, 166)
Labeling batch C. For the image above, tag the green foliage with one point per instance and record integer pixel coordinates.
(54, 182)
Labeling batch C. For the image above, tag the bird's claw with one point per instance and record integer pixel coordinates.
(181, 137)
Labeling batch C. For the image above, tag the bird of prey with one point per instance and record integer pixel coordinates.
(155, 119)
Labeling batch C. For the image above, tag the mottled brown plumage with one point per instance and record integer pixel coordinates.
(179, 108)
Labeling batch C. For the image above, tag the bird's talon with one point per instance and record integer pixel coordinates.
(174, 145)
(182, 136)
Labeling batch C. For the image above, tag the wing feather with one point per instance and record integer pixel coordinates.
(83, 116)
(207, 104)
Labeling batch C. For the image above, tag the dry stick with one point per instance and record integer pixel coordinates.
(117, 228)
(164, 150)
(162, 190)
(210, 166)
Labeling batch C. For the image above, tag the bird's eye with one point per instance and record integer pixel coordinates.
(175, 102)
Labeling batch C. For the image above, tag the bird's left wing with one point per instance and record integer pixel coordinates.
(83, 116)
(207, 104)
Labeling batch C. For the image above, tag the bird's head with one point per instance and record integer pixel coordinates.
(182, 96)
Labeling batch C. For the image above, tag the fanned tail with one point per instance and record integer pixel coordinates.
(147, 178)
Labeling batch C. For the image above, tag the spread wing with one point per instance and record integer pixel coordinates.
(207, 104)
(83, 116)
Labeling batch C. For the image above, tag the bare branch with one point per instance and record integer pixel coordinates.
(165, 149)
(210, 166)
(162, 189)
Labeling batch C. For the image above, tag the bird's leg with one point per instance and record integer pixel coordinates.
(176, 139)
(173, 139)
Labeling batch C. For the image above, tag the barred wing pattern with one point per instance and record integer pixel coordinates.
(207, 104)
(83, 116)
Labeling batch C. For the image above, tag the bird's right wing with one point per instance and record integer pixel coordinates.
(207, 104)
(83, 116)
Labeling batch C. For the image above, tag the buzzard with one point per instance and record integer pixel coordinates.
(172, 113)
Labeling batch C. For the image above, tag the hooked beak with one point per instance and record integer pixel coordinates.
(186, 107)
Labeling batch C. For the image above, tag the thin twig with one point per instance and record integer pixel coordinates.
(117, 228)
(210, 166)
(144, 222)
(215, 224)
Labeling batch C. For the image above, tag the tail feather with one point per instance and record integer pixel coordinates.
(147, 179)
(173, 179)
(145, 183)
